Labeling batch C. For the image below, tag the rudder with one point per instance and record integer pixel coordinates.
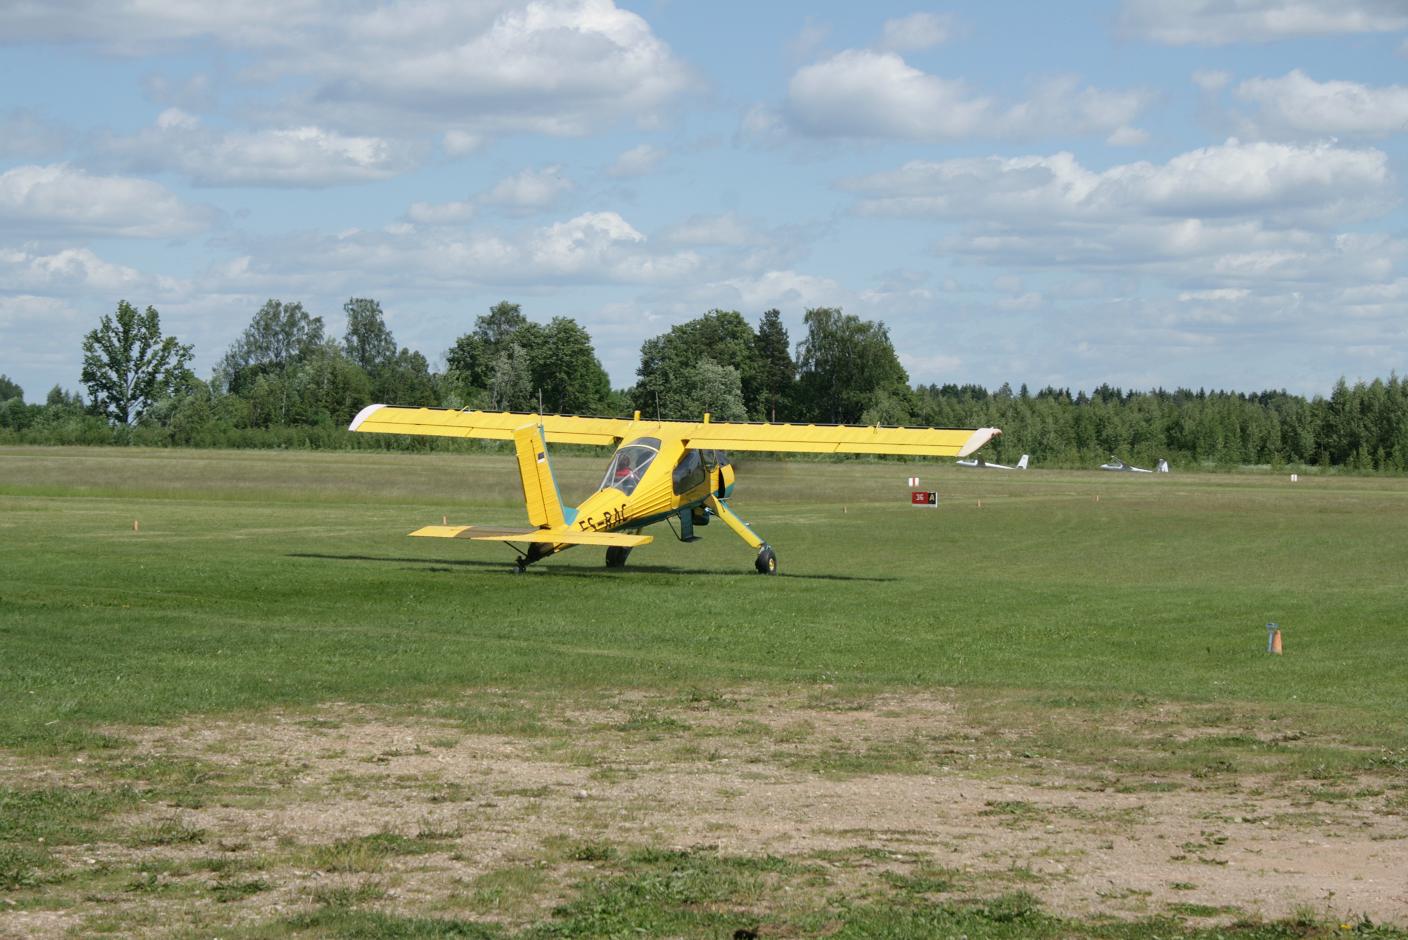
(540, 494)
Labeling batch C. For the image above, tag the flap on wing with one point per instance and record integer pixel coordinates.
(490, 533)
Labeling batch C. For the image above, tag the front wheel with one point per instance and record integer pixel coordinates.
(767, 560)
(616, 556)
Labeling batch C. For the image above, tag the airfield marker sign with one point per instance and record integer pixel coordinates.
(926, 498)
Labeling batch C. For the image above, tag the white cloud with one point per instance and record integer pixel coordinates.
(135, 27)
(637, 161)
(71, 270)
(29, 314)
(1296, 104)
(867, 94)
(1218, 22)
(1217, 228)
(1217, 293)
(1126, 136)
(859, 93)
(547, 66)
(1315, 184)
(563, 67)
(60, 199)
(529, 189)
(785, 288)
(728, 228)
(295, 156)
(461, 143)
(1210, 80)
(591, 248)
(441, 213)
(916, 31)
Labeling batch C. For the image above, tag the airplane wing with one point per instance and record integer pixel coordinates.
(724, 435)
(841, 439)
(488, 533)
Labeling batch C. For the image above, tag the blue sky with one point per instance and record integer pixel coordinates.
(1140, 192)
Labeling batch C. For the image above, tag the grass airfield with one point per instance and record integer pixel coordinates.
(1043, 709)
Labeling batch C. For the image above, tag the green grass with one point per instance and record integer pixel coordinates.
(1113, 623)
(285, 578)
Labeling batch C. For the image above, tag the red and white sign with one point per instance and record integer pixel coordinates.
(913, 482)
(924, 498)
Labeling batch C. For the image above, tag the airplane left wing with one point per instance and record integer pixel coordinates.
(840, 439)
(488, 533)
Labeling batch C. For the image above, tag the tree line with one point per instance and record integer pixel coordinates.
(286, 382)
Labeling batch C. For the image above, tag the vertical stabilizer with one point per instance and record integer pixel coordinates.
(1162, 467)
(1022, 464)
(539, 490)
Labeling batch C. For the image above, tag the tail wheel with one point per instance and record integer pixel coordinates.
(767, 560)
(616, 556)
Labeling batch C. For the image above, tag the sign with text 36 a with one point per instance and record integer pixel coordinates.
(924, 498)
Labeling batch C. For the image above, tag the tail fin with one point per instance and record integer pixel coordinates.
(539, 489)
(1162, 466)
(1022, 464)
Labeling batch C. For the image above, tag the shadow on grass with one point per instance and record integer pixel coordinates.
(507, 567)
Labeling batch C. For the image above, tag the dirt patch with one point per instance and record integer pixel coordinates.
(415, 813)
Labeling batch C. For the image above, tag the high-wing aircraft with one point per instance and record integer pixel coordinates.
(1118, 464)
(676, 471)
(981, 464)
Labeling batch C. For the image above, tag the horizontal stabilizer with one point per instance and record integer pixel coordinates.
(492, 533)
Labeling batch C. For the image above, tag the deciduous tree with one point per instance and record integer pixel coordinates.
(128, 364)
(843, 363)
(367, 341)
(280, 336)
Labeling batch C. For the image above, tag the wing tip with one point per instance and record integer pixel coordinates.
(363, 415)
(977, 439)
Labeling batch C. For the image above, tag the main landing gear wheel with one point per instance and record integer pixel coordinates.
(616, 556)
(767, 560)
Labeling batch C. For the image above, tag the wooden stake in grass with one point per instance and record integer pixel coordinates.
(136, 526)
(444, 520)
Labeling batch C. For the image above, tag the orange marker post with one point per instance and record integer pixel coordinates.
(1276, 643)
(136, 526)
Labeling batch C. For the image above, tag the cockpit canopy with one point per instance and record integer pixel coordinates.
(629, 464)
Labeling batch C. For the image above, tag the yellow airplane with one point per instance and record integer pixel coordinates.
(661, 470)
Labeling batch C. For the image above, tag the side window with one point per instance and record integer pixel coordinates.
(689, 472)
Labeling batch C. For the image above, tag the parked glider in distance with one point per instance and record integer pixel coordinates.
(1118, 464)
(981, 464)
(661, 471)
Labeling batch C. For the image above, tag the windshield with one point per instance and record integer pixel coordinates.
(629, 464)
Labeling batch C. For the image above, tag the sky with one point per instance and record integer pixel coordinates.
(1146, 193)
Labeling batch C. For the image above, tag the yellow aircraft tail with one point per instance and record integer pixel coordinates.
(539, 489)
